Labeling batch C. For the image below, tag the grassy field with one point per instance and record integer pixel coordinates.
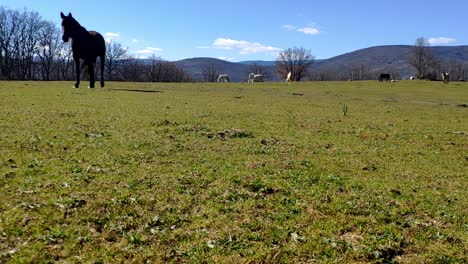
(332, 172)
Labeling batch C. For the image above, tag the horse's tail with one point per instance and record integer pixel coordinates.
(103, 60)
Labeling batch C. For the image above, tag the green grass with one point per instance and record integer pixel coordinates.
(234, 173)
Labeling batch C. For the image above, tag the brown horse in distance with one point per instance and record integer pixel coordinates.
(384, 76)
(86, 45)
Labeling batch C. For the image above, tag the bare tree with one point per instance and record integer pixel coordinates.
(171, 73)
(459, 70)
(50, 47)
(154, 69)
(19, 41)
(65, 64)
(256, 68)
(132, 69)
(210, 73)
(294, 60)
(9, 21)
(328, 74)
(27, 42)
(3, 40)
(395, 75)
(421, 58)
(115, 56)
(359, 72)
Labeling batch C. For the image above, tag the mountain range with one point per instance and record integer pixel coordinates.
(391, 58)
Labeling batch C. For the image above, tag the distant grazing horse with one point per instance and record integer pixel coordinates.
(223, 78)
(288, 78)
(255, 78)
(86, 45)
(445, 77)
(385, 76)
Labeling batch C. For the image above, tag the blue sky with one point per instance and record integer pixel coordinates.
(238, 30)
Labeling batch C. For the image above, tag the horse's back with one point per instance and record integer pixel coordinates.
(98, 36)
(100, 42)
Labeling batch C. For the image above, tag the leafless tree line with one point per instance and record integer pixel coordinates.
(356, 72)
(210, 73)
(121, 67)
(153, 69)
(32, 49)
(458, 70)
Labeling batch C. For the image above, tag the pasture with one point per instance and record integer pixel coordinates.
(332, 172)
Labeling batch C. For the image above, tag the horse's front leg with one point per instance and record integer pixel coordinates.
(77, 73)
(91, 74)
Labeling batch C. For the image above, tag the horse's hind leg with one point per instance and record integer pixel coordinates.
(102, 70)
(91, 74)
(77, 72)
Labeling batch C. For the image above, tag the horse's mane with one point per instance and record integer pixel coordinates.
(77, 25)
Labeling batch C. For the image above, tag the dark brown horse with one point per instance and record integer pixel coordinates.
(86, 45)
(384, 76)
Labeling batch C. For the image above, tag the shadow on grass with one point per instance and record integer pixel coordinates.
(137, 90)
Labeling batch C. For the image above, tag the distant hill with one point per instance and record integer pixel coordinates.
(259, 62)
(392, 58)
(265, 63)
(382, 59)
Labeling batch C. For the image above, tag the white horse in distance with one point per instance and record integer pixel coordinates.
(255, 78)
(445, 77)
(223, 78)
(288, 78)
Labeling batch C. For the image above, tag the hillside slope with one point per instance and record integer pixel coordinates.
(392, 58)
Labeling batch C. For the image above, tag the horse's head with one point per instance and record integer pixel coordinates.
(69, 25)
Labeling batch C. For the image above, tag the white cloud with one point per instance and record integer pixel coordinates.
(109, 36)
(309, 31)
(288, 27)
(112, 35)
(135, 41)
(225, 58)
(243, 46)
(203, 47)
(441, 41)
(149, 50)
